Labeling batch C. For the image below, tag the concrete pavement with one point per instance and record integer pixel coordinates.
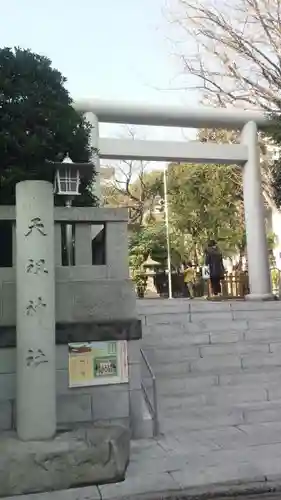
(218, 368)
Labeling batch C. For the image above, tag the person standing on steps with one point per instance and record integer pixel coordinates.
(213, 260)
(189, 278)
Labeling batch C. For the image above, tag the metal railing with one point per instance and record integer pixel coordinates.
(152, 405)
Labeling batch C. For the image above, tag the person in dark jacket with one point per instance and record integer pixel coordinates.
(213, 260)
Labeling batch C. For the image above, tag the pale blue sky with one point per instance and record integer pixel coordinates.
(109, 49)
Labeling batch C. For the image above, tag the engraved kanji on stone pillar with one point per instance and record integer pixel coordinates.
(36, 390)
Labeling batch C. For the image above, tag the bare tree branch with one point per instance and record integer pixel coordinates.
(232, 56)
(237, 50)
(131, 185)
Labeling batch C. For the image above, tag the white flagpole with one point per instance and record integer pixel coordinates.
(167, 236)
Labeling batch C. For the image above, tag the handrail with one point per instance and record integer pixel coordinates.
(152, 406)
(144, 357)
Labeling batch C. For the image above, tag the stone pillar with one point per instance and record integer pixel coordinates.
(94, 142)
(36, 370)
(258, 263)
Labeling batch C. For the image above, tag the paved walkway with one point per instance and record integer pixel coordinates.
(218, 368)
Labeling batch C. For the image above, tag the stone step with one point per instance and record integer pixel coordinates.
(173, 354)
(228, 415)
(243, 347)
(216, 396)
(257, 314)
(201, 323)
(269, 411)
(176, 323)
(231, 363)
(182, 421)
(201, 384)
(166, 319)
(200, 305)
(181, 386)
(181, 339)
(270, 334)
(264, 375)
(240, 437)
(171, 369)
(171, 340)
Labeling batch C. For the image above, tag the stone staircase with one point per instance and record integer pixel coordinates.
(217, 364)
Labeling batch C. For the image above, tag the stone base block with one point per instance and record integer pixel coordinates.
(86, 456)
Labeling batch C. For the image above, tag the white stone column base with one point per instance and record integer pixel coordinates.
(260, 297)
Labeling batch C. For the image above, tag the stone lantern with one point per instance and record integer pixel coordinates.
(151, 267)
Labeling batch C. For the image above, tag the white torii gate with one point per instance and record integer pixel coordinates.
(245, 154)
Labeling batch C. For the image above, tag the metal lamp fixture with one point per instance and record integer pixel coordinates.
(68, 175)
(67, 178)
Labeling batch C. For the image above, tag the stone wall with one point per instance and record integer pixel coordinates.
(217, 365)
(111, 403)
(95, 301)
(86, 291)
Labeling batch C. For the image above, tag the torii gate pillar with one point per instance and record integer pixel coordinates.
(258, 263)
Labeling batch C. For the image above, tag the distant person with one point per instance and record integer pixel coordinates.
(214, 261)
(189, 278)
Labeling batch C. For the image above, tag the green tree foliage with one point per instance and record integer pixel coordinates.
(148, 240)
(276, 183)
(206, 202)
(37, 123)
